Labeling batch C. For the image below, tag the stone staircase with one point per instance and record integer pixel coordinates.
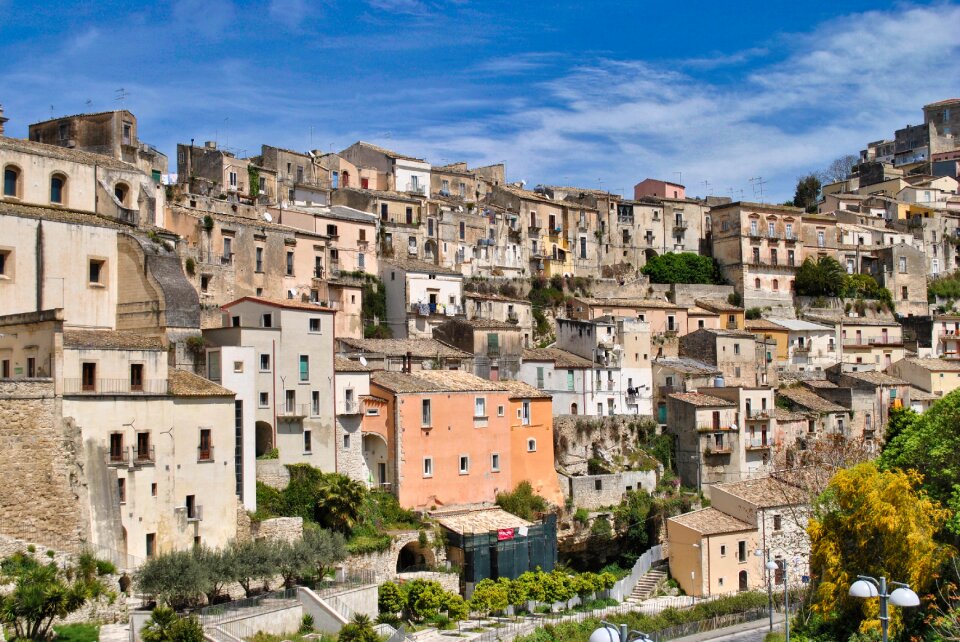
(647, 585)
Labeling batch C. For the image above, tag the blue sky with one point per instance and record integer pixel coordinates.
(598, 94)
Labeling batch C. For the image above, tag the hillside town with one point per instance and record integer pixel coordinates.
(396, 376)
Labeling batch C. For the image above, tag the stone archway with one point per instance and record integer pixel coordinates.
(264, 437)
(415, 557)
(649, 254)
(376, 460)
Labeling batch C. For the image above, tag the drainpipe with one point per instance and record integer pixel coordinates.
(38, 252)
(333, 369)
(273, 368)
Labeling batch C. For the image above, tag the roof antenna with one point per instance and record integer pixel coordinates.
(121, 96)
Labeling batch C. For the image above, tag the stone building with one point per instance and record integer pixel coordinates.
(404, 355)
(935, 376)
(496, 346)
(566, 376)
(708, 438)
(109, 133)
(547, 244)
(758, 248)
(824, 417)
(902, 269)
(679, 374)
(394, 171)
(353, 401)
(498, 307)
(734, 352)
(210, 171)
(293, 177)
(420, 296)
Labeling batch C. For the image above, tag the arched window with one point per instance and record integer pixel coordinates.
(573, 409)
(58, 184)
(121, 190)
(345, 176)
(756, 284)
(776, 285)
(11, 180)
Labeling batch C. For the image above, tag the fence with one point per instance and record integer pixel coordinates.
(623, 588)
(217, 614)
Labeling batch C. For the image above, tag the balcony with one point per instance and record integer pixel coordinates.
(680, 225)
(714, 450)
(804, 349)
(754, 235)
(114, 387)
(555, 232)
(759, 445)
(773, 237)
(790, 237)
(349, 407)
(513, 317)
(713, 428)
(204, 453)
(415, 188)
(118, 457)
(216, 259)
(194, 513)
(867, 342)
(731, 325)
(293, 411)
(145, 456)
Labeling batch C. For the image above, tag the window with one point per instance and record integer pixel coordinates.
(464, 465)
(742, 551)
(753, 228)
(151, 544)
(736, 348)
(289, 263)
(122, 489)
(233, 179)
(314, 325)
(315, 403)
(409, 216)
(266, 321)
(500, 411)
(463, 230)
(264, 399)
(361, 261)
(569, 380)
(525, 412)
(204, 283)
(5, 369)
(428, 466)
(540, 377)
(304, 367)
(346, 441)
(11, 181)
(820, 239)
(904, 293)
(480, 407)
(771, 231)
(57, 184)
(264, 362)
(789, 230)
(238, 366)
(903, 264)
(776, 285)
(307, 441)
(723, 550)
(153, 489)
(259, 266)
(756, 284)
(777, 522)
(96, 271)
(136, 377)
(426, 415)
(205, 450)
(88, 377)
(531, 445)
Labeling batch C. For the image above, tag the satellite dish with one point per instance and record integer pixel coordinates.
(363, 361)
(267, 217)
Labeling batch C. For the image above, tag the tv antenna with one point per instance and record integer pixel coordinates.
(706, 186)
(121, 95)
(758, 184)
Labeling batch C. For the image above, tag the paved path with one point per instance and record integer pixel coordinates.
(114, 633)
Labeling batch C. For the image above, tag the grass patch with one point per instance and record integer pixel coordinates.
(77, 632)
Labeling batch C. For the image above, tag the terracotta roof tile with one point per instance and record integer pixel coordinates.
(186, 384)
(292, 304)
(341, 364)
(64, 153)
(717, 305)
(416, 265)
(701, 400)
(480, 521)
(755, 325)
(519, 389)
(560, 358)
(810, 400)
(766, 492)
(110, 340)
(935, 365)
(877, 378)
(687, 365)
(419, 348)
(434, 381)
(710, 521)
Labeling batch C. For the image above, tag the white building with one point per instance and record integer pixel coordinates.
(293, 374)
(420, 296)
(810, 346)
(566, 376)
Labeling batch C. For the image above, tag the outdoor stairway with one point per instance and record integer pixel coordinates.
(647, 585)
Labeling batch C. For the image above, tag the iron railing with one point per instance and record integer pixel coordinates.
(114, 387)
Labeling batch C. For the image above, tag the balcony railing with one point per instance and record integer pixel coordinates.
(204, 453)
(866, 342)
(293, 410)
(195, 515)
(146, 455)
(680, 225)
(713, 428)
(804, 349)
(759, 444)
(118, 457)
(349, 407)
(731, 325)
(513, 317)
(790, 238)
(216, 259)
(114, 387)
(717, 450)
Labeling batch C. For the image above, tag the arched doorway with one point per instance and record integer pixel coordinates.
(345, 178)
(649, 254)
(414, 557)
(375, 458)
(743, 581)
(573, 408)
(264, 433)
(430, 251)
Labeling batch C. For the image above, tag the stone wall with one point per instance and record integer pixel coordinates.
(598, 491)
(272, 473)
(686, 294)
(576, 438)
(288, 529)
(384, 563)
(43, 494)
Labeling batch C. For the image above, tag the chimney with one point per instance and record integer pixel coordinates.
(3, 121)
(409, 362)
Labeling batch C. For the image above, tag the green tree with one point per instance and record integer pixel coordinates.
(558, 586)
(631, 519)
(217, 567)
(359, 629)
(252, 560)
(291, 560)
(323, 549)
(390, 598)
(682, 267)
(424, 598)
(44, 591)
(522, 502)
(807, 193)
(176, 579)
(338, 502)
(532, 583)
(518, 594)
(871, 522)
(930, 444)
(455, 606)
(165, 626)
(489, 596)
(821, 277)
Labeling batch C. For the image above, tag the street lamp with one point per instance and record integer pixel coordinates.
(867, 587)
(772, 567)
(609, 632)
(759, 553)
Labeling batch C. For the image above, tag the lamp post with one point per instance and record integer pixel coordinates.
(609, 632)
(772, 567)
(867, 587)
(759, 553)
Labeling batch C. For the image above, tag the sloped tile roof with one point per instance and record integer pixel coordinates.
(434, 381)
(481, 521)
(710, 521)
(810, 400)
(701, 400)
(346, 365)
(419, 348)
(186, 384)
(64, 153)
(110, 340)
(416, 265)
(766, 492)
(560, 358)
(519, 389)
(292, 304)
(687, 365)
(935, 365)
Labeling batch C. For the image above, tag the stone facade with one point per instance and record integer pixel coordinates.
(272, 473)
(597, 491)
(384, 563)
(43, 480)
(286, 529)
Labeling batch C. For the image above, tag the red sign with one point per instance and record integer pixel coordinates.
(504, 533)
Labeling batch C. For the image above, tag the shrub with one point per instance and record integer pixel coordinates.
(582, 516)
(191, 266)
(753, 313)
(682, 267)
(522, 502)
(306, 624)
